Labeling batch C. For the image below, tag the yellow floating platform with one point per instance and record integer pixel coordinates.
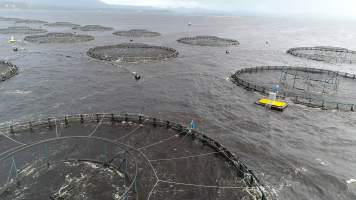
(275, 105)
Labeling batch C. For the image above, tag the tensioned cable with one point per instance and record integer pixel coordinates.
(186, 157)
(97, 126)
(1, 133)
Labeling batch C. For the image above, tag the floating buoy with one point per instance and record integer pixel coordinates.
(189, 23)
(131, 40)
(227, 52)
(137, 77)
(12, 40)
(15, 49)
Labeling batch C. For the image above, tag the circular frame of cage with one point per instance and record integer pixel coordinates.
(93, 28)
(63, 24)
(63, 38)
(96, 54)
(341, 55)
(214, 41)
(134, 33)
(298, 99)
(22, 30)
(262, 192)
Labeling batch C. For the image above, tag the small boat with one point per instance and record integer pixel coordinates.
(12, 40)
(272, 102)
(189, 23)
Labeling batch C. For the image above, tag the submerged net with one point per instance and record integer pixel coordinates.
(208, 41)
(327, 54)
(22, 30)
(58, 38)
(137, 33)
(312, 87)
(7, 70)
(132, 52)
(94, 28)
(109, 156)
(63, 24)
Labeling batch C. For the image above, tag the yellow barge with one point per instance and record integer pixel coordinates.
(274, 104)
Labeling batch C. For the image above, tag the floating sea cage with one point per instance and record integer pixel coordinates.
(94, 28)
(312, 87)
(132, 53)
(7, 70)
(22, 30)
(63, 24)
(208, 41)
(323, 53)
(30, 21)
(310, 80)
(137, 33)
(119, 156)
(58, 38)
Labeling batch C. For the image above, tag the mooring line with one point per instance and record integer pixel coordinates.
(185, 157)
(159, 142)
(96, 128)
(149, 195)
(204, 186)
(132, 132)
(1, 133)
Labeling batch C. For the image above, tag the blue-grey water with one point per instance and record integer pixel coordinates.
(302, 153)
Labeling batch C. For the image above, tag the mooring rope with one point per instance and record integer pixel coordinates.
(1, 133)
(186, 157)
(97, 126)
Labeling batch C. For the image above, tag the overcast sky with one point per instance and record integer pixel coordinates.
(314, 7)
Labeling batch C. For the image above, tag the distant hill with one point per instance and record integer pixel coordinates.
(68, 4)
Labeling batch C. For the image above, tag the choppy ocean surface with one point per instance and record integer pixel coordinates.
(302, 153)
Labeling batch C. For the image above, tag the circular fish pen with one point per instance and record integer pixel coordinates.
(212, 41)
(94, 28)
(58, 38)
(63, 24)
(319, 88)
(327, 54)
(119, 156)
(22, 30)
(22, 21)
(132, 53)
(7, 70)
(137, 33)
(30, 21)
(8, 19)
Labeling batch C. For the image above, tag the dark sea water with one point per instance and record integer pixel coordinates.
(302, 153)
